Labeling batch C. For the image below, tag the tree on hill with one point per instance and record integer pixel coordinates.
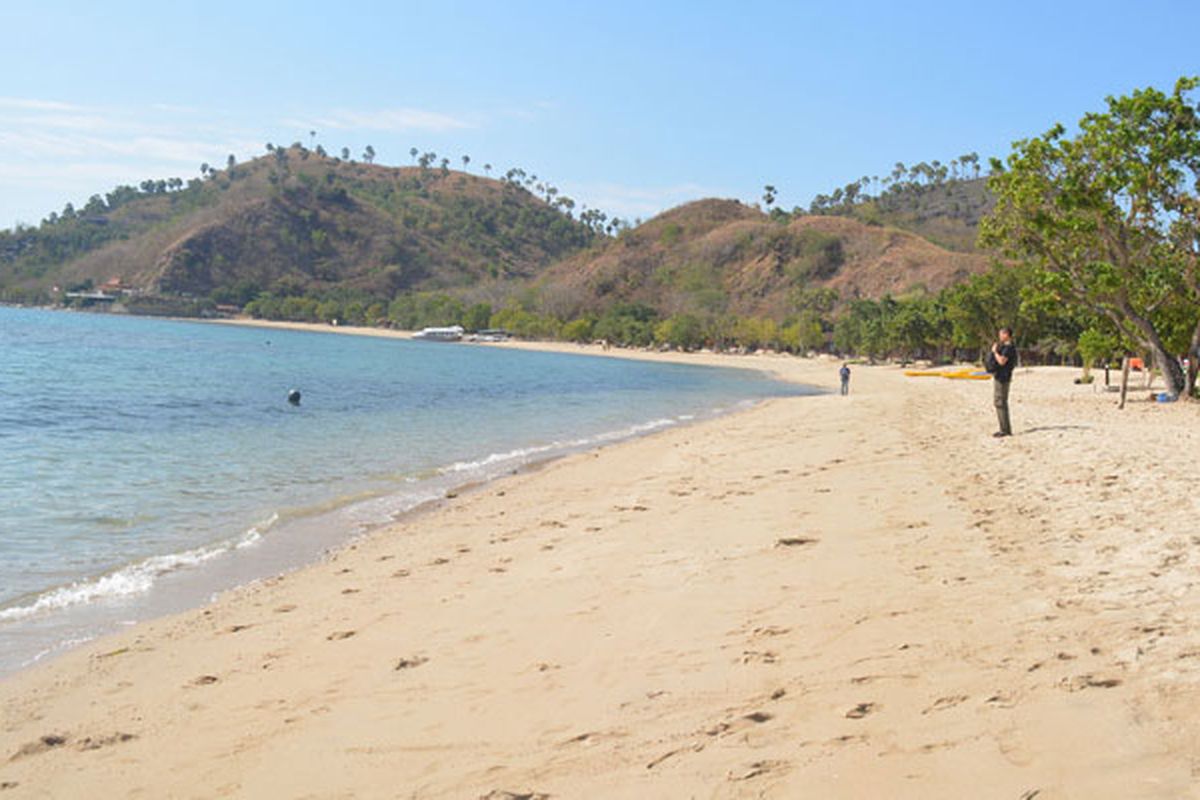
(768, 196)
(412, 151)
(1112, 219)
(369, 154)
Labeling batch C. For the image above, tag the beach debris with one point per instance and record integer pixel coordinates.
(337, 636)
(111, 653)
(498, 794)
(205, 680)
(5, 785)
(294, 396)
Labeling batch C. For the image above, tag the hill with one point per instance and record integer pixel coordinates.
(946, 211)
(720, 256)
(296, 221)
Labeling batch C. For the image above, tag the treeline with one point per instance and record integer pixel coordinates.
(957, 323)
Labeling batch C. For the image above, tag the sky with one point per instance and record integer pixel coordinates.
(629, 107)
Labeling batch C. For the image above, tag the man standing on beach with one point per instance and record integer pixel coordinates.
(844, 374)
(1003, 361)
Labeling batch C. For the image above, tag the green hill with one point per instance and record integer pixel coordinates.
(291, 222)
(299, 235)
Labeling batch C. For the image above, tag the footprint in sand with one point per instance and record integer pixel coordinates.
(1080, 682)
(88, 743)
(861, 710)
(409, 663)
(41, 745)
(339, 635)
(755, 770)
(285, 608)
(205, 680)
(943, 703)
(768, 630)
(759, 657)
(401, 573)
(350, 591)
(796, 541)
(237, 628)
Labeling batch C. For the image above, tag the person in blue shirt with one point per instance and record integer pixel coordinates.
(844, 374)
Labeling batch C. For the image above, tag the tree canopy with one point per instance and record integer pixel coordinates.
(1111, 218)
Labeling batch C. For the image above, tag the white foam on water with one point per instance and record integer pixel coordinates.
(134, 579)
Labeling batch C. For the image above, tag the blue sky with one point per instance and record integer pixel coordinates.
(629, 107)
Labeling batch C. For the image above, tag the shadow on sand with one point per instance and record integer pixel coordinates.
(1041, 428)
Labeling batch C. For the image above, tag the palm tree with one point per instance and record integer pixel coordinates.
(466, 160)
(412, 151)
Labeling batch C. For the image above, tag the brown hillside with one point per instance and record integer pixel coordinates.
(719, 255)
(297, 221)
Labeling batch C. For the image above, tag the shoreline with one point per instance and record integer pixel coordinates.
(195, 585)
(863, 596)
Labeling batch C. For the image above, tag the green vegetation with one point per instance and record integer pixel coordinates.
(1099, 232)
(1110, 220)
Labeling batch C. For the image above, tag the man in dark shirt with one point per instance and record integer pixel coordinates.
(1004, 352)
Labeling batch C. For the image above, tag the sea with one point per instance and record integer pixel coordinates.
(147, 464)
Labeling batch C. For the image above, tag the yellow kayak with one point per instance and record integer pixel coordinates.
(956, 374)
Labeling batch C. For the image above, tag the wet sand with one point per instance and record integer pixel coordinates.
(820, 597)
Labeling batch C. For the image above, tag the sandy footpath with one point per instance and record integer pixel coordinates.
(827, 597)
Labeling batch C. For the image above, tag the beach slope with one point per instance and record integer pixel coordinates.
(820, 597)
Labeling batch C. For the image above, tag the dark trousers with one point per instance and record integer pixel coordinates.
(1000, 395)
(845, 386)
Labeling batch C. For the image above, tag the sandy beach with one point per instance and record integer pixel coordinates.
(834, 597)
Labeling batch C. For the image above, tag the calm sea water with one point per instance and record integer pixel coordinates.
(147, 464)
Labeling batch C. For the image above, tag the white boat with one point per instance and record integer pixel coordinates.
(453, 333)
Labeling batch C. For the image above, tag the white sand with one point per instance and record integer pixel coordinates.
(822, 597)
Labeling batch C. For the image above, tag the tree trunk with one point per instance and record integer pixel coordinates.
(1193, 364)
(1166, 363)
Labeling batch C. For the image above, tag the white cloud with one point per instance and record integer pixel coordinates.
(644, 202)
(35, 105)
(393, 120)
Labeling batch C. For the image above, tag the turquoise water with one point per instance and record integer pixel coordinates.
(149, 463)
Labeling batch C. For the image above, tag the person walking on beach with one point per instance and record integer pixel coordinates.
(844, 374)
(1001, 362)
